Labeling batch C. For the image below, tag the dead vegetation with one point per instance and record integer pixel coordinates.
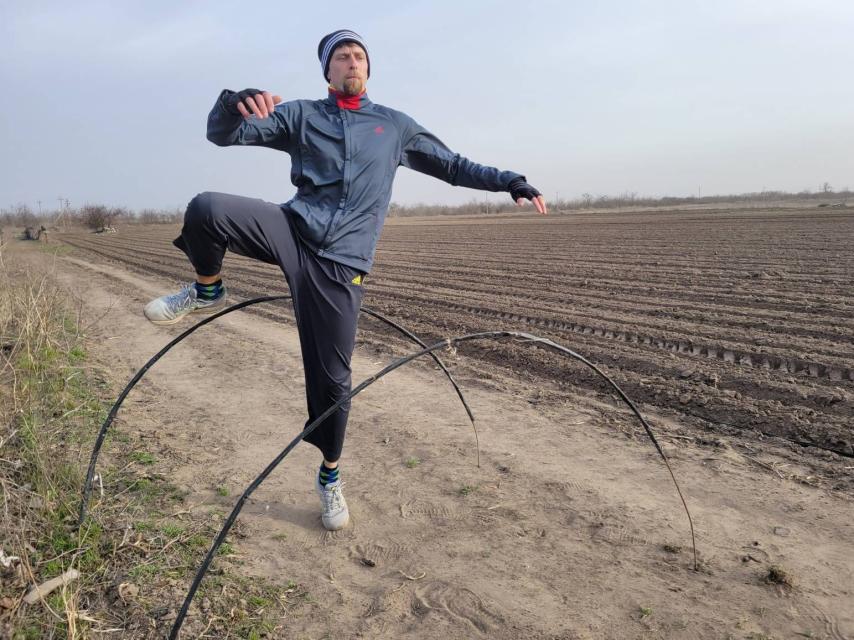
(780, 576)
(127, 568)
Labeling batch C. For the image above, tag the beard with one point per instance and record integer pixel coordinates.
(354, 86)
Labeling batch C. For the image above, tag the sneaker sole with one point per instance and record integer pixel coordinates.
(203, 311)
(330, 528)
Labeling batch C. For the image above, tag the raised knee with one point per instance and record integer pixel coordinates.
(199, 208)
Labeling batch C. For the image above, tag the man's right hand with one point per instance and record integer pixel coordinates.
(521, 191)
(259, 103)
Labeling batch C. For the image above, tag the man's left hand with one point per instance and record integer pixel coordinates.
(521, 191)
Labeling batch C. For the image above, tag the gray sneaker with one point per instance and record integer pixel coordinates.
(334, 512)
(171, 308)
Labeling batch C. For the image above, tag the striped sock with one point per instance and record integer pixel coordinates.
(209, 291)
(328, 476)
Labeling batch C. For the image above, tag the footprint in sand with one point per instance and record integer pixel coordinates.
(816, 618)
(427, 510)
(457, 603)
(307, 541)
(342, 535)
(379, 551)
(569, 488)
(618, 535)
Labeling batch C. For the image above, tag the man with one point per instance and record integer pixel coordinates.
(344, 152)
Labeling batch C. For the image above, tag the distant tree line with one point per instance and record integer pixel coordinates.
(91, 216)
(501, 203)
(98, 216)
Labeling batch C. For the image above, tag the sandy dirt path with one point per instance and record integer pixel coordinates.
(571, 527)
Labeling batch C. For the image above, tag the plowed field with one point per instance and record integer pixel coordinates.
(736, 321)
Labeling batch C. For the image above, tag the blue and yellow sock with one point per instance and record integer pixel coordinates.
(327, 475)
(209, 291)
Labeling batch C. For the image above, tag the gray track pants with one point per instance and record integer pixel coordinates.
(326, 301)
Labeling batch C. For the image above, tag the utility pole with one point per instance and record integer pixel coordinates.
(40, 208)
(487, 203)
(62, 211)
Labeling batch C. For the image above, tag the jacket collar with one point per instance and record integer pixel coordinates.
(343, 101)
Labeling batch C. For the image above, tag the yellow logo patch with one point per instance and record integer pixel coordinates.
(357, 280)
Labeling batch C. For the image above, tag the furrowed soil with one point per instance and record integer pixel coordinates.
(731, 329)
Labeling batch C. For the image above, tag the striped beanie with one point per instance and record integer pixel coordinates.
(331, 41)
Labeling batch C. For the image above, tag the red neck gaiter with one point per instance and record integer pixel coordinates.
(345, 101)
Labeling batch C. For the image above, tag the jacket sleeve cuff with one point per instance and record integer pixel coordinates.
(512, 177)
(221, 101)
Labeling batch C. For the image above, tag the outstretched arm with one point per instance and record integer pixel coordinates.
(425, 153)
(249, 117)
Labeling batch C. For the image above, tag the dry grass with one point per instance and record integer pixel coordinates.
(781, 576)
(38, 349)
(140, 546)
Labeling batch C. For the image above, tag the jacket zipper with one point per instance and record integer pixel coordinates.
(342, 204)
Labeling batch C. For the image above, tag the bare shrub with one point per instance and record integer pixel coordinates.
(19, 215)
(149, 216)
(99, 217)
(160, 216)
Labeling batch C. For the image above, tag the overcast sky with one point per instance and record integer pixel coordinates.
(106, 102)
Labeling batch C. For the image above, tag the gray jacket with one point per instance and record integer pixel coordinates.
(343, 162)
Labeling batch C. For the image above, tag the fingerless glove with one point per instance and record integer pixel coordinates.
(231, 101)
(520, 189)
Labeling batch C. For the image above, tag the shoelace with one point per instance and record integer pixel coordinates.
(178, 301)
(332, 497)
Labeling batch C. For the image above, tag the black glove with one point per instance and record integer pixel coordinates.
(520, 189)
(231, 101)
